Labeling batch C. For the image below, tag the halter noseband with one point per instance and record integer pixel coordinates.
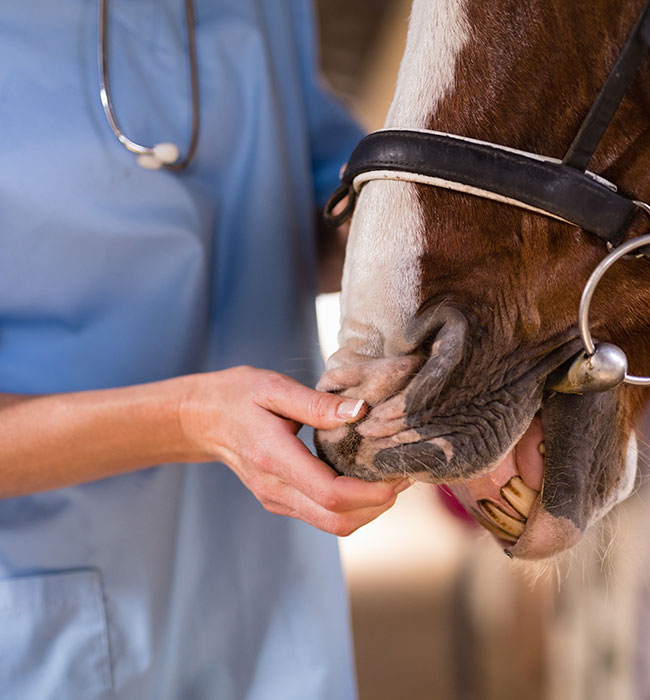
(562, 189)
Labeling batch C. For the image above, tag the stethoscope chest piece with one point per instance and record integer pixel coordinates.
(162, 154)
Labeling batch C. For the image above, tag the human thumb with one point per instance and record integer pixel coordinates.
(328, 411)
(318, 409)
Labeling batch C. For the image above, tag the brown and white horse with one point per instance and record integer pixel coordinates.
(455, 309)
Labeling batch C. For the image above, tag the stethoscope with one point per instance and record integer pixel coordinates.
(162, 155)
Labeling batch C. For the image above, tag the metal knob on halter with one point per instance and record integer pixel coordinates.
(603, 366)
(604, 369)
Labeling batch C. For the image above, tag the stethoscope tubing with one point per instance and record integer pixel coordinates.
(105, 92)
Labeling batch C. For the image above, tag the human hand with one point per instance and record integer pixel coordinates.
(248, 418)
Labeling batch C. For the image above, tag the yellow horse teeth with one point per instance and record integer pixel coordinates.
(501, 519)
(520, 496)
(508, 528)
(487, 523)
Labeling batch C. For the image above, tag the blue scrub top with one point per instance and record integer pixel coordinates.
(171, 582)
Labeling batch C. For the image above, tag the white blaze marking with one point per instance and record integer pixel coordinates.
(381, 277)
(628, 478)
(382, 274)
(437, 32)
(626, 483)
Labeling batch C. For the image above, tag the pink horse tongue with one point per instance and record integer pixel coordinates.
(523, 460)
(527, 455)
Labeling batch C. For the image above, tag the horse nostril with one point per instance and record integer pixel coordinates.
(447, 349)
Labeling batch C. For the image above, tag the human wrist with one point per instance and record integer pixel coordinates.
(145, 422)
(192, 421)
(142, 422)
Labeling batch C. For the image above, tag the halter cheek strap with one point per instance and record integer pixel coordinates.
(611, 94)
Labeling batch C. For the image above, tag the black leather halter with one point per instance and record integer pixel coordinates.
(563, 189)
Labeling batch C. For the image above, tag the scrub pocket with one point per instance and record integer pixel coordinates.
(53, 637)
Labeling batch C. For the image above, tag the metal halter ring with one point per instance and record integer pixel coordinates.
(587, 293)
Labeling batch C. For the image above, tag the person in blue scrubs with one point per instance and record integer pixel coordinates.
(134, 307)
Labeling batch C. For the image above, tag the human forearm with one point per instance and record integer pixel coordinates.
(58, 440)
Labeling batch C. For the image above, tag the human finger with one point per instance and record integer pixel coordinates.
(295, 504)
(288, 398)
(317, 481)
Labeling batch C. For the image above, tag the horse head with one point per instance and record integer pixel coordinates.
(456, 310)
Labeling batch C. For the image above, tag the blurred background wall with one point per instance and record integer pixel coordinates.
(438, 611)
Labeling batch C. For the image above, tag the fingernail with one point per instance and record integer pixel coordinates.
(402, 486)
(350, 409)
